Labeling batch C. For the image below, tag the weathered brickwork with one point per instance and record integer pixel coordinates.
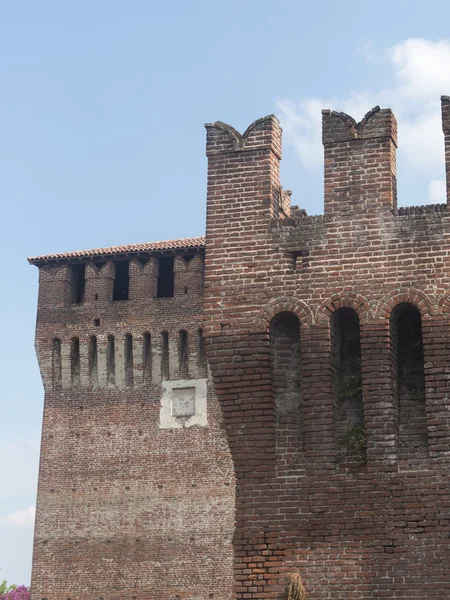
(128, 507)
(340, 438)
(325, 446)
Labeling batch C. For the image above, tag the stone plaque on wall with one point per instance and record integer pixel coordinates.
(183, 404)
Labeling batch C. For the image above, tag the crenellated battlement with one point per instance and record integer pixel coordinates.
(262, 133)
(376, 123)
(360, 162)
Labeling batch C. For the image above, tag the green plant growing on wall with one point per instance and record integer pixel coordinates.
(296, 590)
(352, 389)
(355, 439)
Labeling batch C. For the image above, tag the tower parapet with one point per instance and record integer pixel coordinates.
(360, 161)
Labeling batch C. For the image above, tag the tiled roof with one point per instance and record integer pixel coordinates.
(195, 242)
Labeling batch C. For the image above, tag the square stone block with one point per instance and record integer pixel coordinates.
(183, 404)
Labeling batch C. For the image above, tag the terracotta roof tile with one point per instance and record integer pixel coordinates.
(195, 242)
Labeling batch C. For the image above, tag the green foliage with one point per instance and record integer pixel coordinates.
(4, 587)
(352, 389)
(355, 440)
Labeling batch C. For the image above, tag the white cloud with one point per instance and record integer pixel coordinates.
(20, 518)
(421, 67)
(437, 191)
(421, 139)
(302, 124)
(420, 70)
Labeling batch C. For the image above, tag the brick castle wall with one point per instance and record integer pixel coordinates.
(326, 449)
(319, 332)
(126, 508)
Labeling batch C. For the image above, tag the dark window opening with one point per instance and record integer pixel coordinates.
(147, 358)
(300, 259)
(165, 366)
(346, 369)
(75, 361)
(185, 289)
(56, 363)
(184, 356)
(96, 297)
(99, 264)
(143, 259)
(93, 361)
(287, 380)
(202, 368)
(188, 257)
(121, 280)
(129, 378)
(407, 348)
(166, 277)
(78, 278)
(111, 361)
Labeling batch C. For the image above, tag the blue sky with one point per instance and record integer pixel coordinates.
(102, 107)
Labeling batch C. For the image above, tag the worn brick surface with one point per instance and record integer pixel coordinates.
(292, 311)
(375, 528)
(126, 509)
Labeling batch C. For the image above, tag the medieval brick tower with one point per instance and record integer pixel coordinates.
(224, 412)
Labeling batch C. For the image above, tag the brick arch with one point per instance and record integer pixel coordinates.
(279, 305)
(56, 273)
(99, 267)
(359, 304)
(444, 304)
(237, 139)
(174, 330)
(403, 296)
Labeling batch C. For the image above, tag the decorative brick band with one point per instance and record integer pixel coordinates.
(359, 304)
(280, 305)
(444, 304)
(403, 296)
